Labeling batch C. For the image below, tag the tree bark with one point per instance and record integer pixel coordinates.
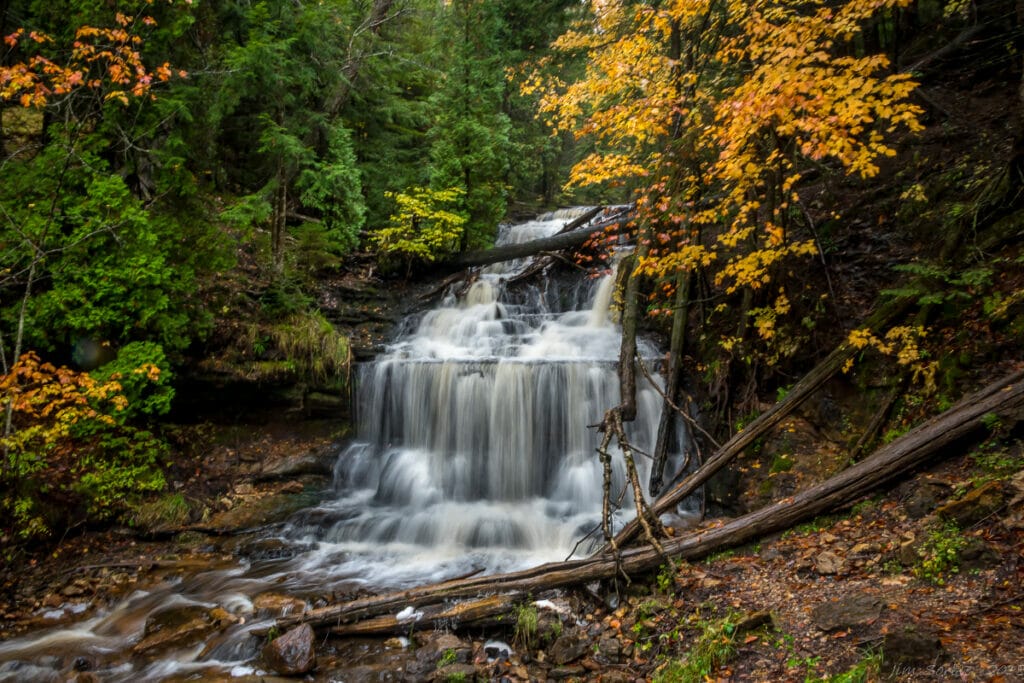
(666, 425)
(1004, 398)
(556, 242)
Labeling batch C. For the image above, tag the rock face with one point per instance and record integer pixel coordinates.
(293, 653)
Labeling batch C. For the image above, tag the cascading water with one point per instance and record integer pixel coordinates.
(474, 449)
(473, 454)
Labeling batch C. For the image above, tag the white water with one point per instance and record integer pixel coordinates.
(473, 454)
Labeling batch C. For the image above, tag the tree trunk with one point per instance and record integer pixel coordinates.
(562, 240)
(810, 383)
(1004, 398)
(666, 425)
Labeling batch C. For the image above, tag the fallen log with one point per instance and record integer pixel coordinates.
(1004, 398)
(557, 242)
(800, 392)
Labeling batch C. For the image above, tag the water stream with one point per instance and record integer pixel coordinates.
(473, 454)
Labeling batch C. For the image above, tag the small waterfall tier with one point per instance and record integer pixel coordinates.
(476, 448)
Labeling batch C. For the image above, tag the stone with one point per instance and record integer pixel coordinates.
(610, 649)
(977, 554)
(293, 487)
(857, 609)
(277, 605)
(976, 505)
(293, 653)
(925, 497)
(77, 588)
(828, 563)
(52, 600)
(296, 465)
(567, 648)
(176, 626)
(456, 671)
(909, 647)
(563, 672)
(615, 677)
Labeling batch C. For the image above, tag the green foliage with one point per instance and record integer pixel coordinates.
(526, 634)
(714, 646)
(142, 370)
(170, 510)
(333, 187)
(666, 578)
(941, 286)
(940, 554)
(70, 456)
(868, 668)
(107, 268)
(448, 657)
(425, 226)
(470, 138)
(995, 460)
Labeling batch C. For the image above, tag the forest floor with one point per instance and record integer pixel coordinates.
(893, 588)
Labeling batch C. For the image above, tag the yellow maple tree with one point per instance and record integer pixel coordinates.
(712, 112)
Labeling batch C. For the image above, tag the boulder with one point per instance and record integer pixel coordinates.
(175, 626)
(976, 505)
(857, 609)
(567, 648)
(293, 653)
(828, 563)
(909, 647)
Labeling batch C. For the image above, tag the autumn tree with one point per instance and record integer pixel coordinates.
(84, 263)
(712, 113)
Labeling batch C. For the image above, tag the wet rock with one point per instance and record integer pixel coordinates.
(77, 588)
(567, 648)
(976, 505)
(444, 646)
(247, 514)
(176, 626)
(563, 672)
(828, 563)
(609, 649)
(293, 653)
(319, 463)
(277, 605)
(852, 610)
(457, 671)
(293, 487)
(52, 600)
(909, 646)
(615, 677)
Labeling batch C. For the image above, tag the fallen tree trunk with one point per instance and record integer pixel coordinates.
(800, 392)
(1004, 398)
(562, 240)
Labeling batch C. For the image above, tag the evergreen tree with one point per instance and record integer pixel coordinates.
(470, 139)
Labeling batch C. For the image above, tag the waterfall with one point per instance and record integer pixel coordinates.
(476, 447)
(473, 454)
